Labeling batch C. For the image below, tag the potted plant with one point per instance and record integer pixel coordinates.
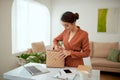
(33, 57)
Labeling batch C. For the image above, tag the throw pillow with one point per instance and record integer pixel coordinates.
(113, 55)
(119, 57)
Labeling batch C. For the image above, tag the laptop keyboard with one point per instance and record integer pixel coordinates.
(33, 70)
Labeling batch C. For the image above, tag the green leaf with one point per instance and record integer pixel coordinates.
(34, 57)
(24, 56)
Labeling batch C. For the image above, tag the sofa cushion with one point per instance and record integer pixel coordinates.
(101, 49)
(103, 62)
(38, 47)
(113, 55)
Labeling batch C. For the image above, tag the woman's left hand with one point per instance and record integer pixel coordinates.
(65, 53)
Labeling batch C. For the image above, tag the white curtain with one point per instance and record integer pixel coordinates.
(30, 23)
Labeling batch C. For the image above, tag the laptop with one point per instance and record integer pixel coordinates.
(33, 69)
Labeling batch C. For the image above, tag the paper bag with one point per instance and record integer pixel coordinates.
(53, 59)
(84, 71)
(84, 68)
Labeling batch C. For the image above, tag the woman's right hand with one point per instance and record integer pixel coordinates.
(58, 48)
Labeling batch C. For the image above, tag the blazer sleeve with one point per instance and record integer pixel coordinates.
(85, 52)
(58, 38)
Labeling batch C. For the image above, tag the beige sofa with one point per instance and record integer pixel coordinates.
(99, 54)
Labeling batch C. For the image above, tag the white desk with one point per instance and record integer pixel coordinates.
(21, 73)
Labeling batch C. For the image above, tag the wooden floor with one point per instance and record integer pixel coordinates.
(109, 76)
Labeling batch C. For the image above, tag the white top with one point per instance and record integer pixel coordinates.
(21, 73)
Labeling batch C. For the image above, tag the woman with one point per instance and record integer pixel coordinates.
(75, 40)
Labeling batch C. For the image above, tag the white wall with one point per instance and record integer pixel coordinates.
(87, 10)
(47, 3)
(7, 61)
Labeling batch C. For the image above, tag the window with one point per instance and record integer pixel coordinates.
(30, 23)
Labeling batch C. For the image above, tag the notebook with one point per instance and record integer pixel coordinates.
(34, 69)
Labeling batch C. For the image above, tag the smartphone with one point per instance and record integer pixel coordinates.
(67, 71)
